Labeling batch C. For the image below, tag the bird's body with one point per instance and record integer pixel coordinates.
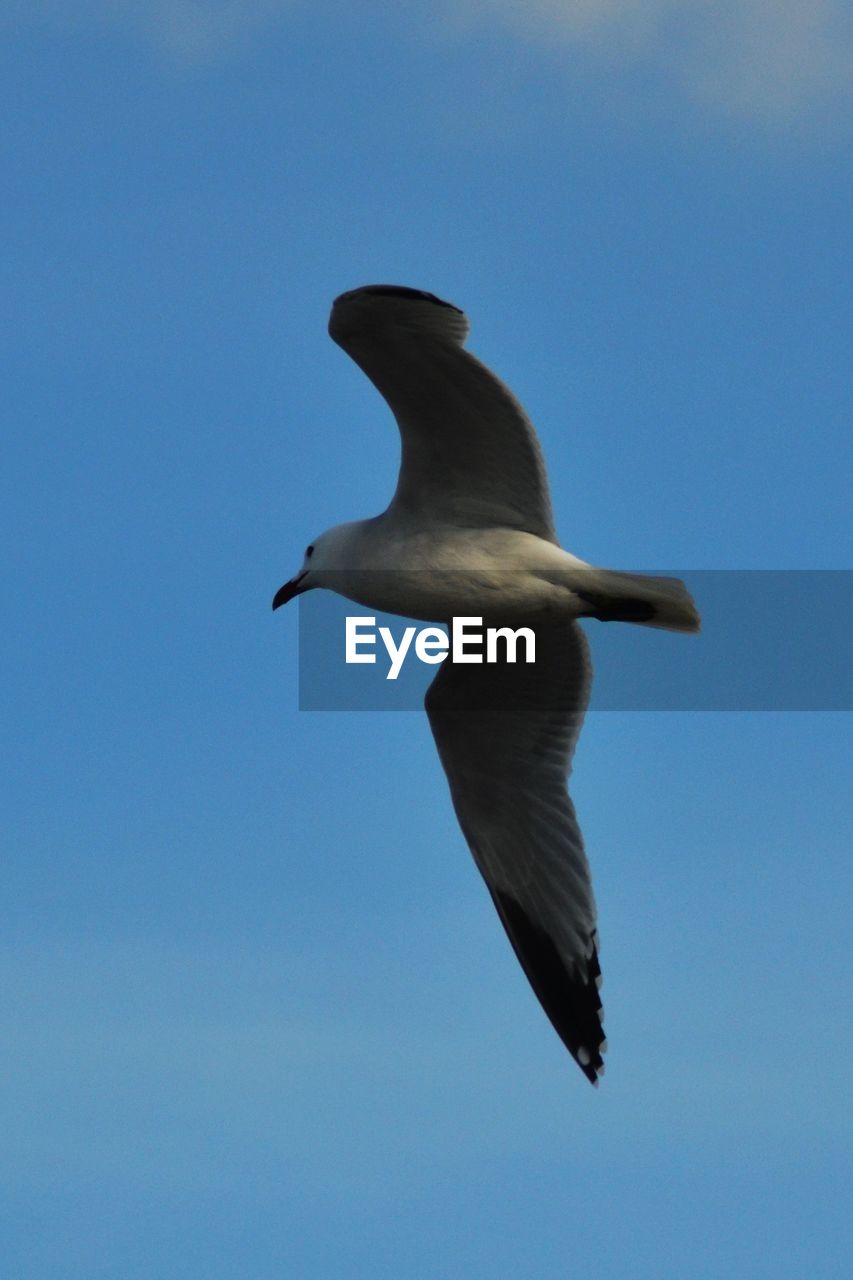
(438, 571)
(470, 532)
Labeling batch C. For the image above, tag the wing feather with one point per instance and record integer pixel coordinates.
(470, 455)
(505, 734)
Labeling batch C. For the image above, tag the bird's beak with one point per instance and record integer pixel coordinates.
(289, 590)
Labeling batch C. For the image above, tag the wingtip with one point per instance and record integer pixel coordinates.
(591, 1062)
(394, 291)
(589, 1054)
(569, 994)
(360, 315)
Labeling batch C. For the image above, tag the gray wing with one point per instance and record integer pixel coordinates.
(505, 735)
(470, 455)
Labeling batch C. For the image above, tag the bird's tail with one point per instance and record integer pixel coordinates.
(634, 597)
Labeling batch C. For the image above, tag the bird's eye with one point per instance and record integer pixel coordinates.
(309, 551)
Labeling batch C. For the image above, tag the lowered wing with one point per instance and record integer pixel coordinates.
(505, 735)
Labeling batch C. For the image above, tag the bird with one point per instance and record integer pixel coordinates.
(470, 532)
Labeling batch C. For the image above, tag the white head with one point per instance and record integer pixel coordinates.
(328, 552)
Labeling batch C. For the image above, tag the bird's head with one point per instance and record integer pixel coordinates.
(322, 555)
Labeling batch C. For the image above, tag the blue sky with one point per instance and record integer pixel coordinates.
(259, 1017)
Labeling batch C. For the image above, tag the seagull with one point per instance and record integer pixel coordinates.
(470, 531)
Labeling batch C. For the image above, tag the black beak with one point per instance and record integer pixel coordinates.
(289, 590)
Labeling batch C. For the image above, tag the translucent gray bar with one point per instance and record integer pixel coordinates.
(771, 640)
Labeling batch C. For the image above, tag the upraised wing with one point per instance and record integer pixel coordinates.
(470, 455)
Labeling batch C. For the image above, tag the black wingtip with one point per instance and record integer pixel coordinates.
(397, 291)
(568, 996)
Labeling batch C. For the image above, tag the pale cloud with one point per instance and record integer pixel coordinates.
(770, 61)
(181, 31)
(765, 59)
(774, 59)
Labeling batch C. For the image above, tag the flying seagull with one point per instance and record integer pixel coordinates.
(470, 532)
